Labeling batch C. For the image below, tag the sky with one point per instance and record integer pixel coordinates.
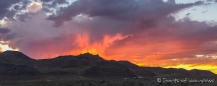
(165, 33)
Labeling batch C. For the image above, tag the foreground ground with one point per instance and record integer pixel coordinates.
(118, 82)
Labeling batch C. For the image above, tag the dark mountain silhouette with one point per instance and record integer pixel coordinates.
(14, 63)
(17, 70)
(128, 64)
(15, 57)
(109, 69)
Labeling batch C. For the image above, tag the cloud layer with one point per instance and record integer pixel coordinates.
(141, 31)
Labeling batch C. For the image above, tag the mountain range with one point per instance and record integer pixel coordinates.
(15, 65)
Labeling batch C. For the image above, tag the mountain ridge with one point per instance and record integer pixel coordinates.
(84, 65)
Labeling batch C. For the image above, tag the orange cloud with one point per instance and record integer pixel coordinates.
(34, 7)
(4, 23)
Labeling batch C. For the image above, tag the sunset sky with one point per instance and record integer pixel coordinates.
(165, 33)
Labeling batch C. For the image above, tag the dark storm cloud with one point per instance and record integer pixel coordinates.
(16, 7)
(112, 9)
(10, 14)
(119, 16)
(196, 31)
(48, 7)
(209, 0)
(24, 4)
(6, 4)
(23, 17)
(171, 1)
(4, 30)
(117, 9)
(5, 34)
(8, 37)
(46, 0)
(54, 3)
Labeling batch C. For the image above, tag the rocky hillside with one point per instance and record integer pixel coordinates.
(14, 63)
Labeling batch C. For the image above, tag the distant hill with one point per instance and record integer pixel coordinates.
(109, 69)
(15, 57)
(14, 63)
